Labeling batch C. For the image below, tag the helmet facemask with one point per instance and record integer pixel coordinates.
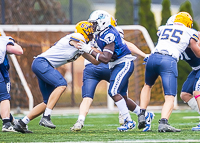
(100, 20)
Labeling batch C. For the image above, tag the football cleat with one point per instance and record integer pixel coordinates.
(121, 119)
(20, 126)
(77, 126)
(7, 127)
(197, 128)
(128, 125)
(46, 122)
(141, 121)
(149, 117)
(165, 127)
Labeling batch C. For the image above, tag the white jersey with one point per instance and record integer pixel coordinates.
(174, 39)
(4, 41)
(62, 52)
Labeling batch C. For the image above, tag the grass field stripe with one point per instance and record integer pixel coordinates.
(143, 141)
(191, 117)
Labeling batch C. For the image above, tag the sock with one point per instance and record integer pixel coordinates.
(47, 112)
(142, 111)
(137, 110)
(11, 118)
(193, 104)
(5, 120)
(81, 117)
(26, 120)
(163, 121)
(121, 104)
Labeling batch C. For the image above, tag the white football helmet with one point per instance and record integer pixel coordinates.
(100, 20)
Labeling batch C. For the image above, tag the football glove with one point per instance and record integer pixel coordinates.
(85, 47)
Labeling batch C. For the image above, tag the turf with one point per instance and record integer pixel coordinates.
(103, 128)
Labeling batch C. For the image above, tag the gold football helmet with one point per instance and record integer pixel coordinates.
(184, 18)
(85, 28)
(113, 21)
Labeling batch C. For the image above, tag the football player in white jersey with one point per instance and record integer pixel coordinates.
(7, 46)
(173, 40)
(190, 89)
(52, 84)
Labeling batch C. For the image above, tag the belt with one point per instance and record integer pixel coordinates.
(165, 54)
(162, 53)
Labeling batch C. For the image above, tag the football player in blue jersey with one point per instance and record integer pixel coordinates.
(190, 92)
(8, 46)
(51, 83)
(92, 75)
(173, 40)
(117, 54)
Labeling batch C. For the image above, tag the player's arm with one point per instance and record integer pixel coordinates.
(90, 58)
(86, 55)
(106, 55)
(134, 49)
(103, 57)
(14, 49)
(195, 46)
(74, 43)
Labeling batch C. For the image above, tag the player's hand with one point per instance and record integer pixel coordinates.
(146, 59)
(85, 47)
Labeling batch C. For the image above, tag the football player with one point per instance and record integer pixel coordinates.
(92, 75)
(173, 40)
(190, 92)
(8, 46)
(117, 54)
(190, 86)
(51, 83)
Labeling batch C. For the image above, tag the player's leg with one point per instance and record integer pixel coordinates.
(169, 74)
(92, 75)
(21, 125)
(187, 91)
(88, 90)
(151, 74)
(5, 105)
(196, 94)
(56, 82)
(5, 114)
(119, 77)
(149, 116)
(197, 97)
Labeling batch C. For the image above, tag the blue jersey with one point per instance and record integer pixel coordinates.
(4, 67)
(191, 59)
(109, 35)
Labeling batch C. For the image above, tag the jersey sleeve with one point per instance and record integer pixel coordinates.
(195, 36)
(77, 37)
(4, 41)
(109, 38)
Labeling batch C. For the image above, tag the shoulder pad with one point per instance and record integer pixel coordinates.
(77, 37)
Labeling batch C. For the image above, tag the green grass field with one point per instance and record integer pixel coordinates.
(103, 128)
